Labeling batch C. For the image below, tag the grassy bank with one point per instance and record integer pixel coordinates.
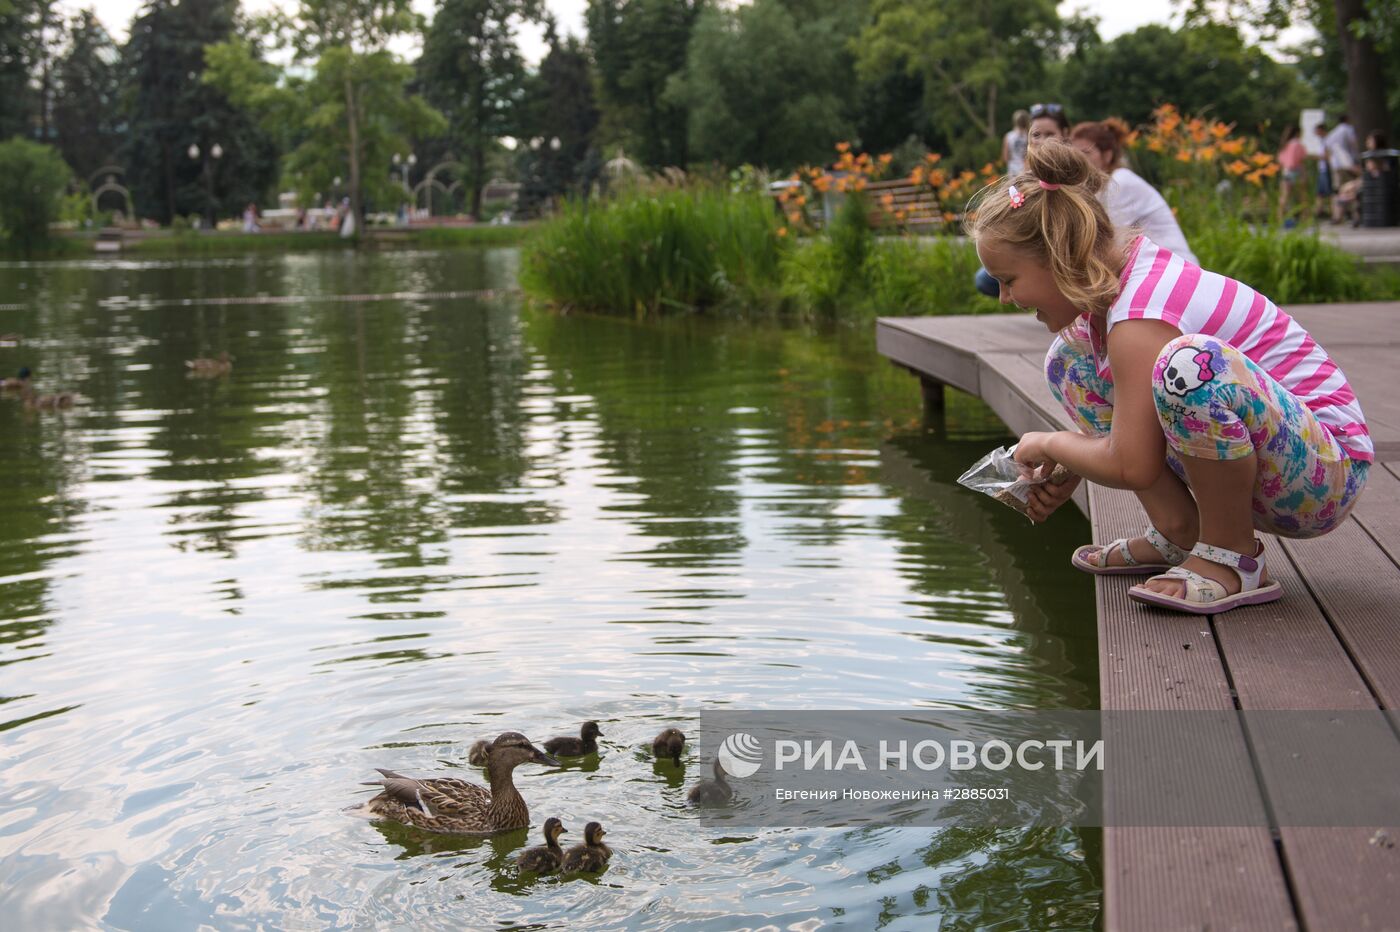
(189, 243)
(695, 250)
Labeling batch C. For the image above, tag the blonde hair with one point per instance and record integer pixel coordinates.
(1065, 227)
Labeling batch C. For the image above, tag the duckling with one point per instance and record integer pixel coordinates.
(592, 855)
(456, 807)
(476, 756)
(669, 743)
(53, 402)
(585, 743)
(19, 384)
(712, 792)
(546, 858)
(220, 365)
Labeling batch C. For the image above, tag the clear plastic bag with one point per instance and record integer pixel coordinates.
(999, 475)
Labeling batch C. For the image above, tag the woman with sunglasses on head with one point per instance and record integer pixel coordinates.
(1048, 121)
(1130, 201)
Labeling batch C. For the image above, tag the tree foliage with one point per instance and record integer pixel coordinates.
(771, 83)
(168, 109)
(978, 61)
(351, 113)
(1205, 69)
(32, 181)
(472, 71)
(639, 47)
(87, 93)
(559, 105)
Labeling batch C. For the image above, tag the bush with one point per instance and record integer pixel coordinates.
(32, 181)
(934, 276)
(642, 252)
(1290, 267)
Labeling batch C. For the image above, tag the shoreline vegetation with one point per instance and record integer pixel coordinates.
(181, 243)
(659, 246)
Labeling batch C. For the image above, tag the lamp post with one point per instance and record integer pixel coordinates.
(215, 153)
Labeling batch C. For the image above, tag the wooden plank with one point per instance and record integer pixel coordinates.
(1188, 877)
(1357, 586)
(942, 361)
(1285, 656)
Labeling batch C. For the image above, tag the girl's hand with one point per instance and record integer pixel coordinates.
(1046, 497)
(1031, 453)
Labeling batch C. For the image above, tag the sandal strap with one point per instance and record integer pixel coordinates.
(1199, 589)
(1170, 552)
(1248, 568)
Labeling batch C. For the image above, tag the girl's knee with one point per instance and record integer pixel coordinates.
(1188, 363)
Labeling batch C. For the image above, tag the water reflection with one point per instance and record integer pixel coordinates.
(397, 526)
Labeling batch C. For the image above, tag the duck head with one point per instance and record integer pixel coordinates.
(593, 833)
(511, 749)
(553, 828)
(590, 730)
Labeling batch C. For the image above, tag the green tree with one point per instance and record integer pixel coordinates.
(1132, 74)
(88, 87)
(772, 83)
(559, 105)
(639, 47)
(168, 109)
(352, 113)
(472, 71)
(978, 61)
(32, 180)
(28, 35)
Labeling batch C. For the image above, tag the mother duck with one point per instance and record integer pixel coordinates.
(456, 807)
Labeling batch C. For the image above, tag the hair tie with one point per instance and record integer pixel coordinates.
(1017, 198)
(1047, 185)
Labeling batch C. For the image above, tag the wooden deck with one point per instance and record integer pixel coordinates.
(1333, 643)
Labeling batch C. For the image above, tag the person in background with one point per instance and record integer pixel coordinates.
(1347, 203)
(1013, 144)
(1291, 156)
(1324, 171)
(1131, 203)
(1048, 122)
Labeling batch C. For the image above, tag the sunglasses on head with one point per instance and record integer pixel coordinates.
(1040, 110)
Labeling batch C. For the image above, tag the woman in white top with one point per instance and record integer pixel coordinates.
(1129, 200)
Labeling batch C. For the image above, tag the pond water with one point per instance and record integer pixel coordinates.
(407, 522)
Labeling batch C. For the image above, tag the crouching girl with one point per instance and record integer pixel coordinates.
(1193, 390)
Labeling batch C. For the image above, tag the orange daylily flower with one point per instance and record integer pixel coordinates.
(1220, 130)
(1261, 158)
(1183, 155)
(1232, 146)
(1206, 153)
(1237, 167)
(782, 231)
(843, 147)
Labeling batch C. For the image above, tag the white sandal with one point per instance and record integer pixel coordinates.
(1172, 556)
(1206, 596)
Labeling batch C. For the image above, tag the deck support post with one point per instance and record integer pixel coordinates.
(932, 391)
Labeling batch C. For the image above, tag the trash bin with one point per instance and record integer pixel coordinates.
(1380, 176)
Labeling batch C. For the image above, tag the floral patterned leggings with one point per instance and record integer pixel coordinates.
(1307, 484)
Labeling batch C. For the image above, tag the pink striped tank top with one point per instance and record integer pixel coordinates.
(1163, 286)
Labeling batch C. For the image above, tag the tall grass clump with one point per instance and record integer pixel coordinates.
(911, 276)
(827, 273)
(1291, 267)
(645, 252)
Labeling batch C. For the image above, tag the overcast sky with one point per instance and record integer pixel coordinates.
(1115, 16)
